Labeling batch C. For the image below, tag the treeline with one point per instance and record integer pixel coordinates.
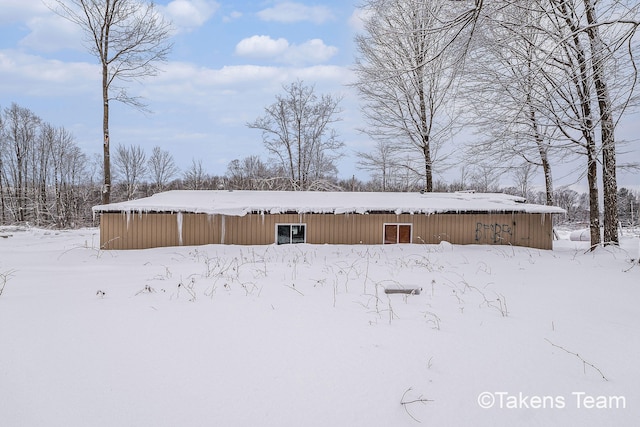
(47, 181)
(45, 178)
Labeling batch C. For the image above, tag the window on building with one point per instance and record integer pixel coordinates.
(397, 233)
(291, 233)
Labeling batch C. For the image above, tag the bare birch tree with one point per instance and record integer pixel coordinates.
(41, 171)
(380, 162)
(506, 95)
(69, 180)
(297, 132)
(161, 168)
(129, 38)
(570, 68)
(21, 132)
(623, 18)
(131, 165)
(599, 65)
(195, 177)
(406, 72)
(3, 172)
(249, 173)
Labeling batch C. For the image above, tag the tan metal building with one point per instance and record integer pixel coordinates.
(185, 218)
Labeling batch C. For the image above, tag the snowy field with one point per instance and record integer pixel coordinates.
(304, 335)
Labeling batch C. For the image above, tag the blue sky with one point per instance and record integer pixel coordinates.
(230, 59)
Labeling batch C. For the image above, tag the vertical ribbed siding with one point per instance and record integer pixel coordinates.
(147, 230)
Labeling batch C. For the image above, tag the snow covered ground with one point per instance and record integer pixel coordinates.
(304, 335)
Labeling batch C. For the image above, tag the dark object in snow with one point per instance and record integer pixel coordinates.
(6, 236)
(407, 291)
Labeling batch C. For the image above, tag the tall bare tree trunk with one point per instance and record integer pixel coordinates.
(424, 133)
(106, 188)
(582, 84)
(609, 182)
(546, 170)
(428, 169)
(2, 205)
(542, 150)
(128, 37)
(594, 208)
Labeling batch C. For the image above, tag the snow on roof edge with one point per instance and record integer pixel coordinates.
(243, 202)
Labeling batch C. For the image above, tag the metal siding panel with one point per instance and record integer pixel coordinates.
(187, 229)
(156, 230)
(135, 230)
(152, 238)
(196, 229)
(188, 232)
(453, 233)
(230, 233)
(465, 228)
(162, 229)
(104, 230)
(439, 233)
(145, 231)
(117, 240)
(122, 238)
(241, 230)
(126, 232)
(110, 225)
(149, 230)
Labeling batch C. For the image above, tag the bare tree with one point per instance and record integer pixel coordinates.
(41, 158)
(69, 179)
(131, 165)
(195, 177)
(128, 37)
(576, 31)
(161, 167)
(380, 162)
(568, 200)
(21, 132)
(3, 172)
(602, 52)
(485, 178)
(41, 172)
(296, 130)
(522, 177)
(406, 74)
(549, 57)
(506, 95)
(628, 205)
(250, 173)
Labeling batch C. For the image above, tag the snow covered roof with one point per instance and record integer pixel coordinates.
(240, 203)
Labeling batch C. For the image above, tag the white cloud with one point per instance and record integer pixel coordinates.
(358, 18)
(313, 51)
(20, 11)
(288, 12)
(187, 15)
(47, 31)
(232, 16)
(34, 75)
(52, 33)
(264, 47)
(261, 47)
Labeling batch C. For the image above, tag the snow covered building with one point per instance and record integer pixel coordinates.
(177, 218)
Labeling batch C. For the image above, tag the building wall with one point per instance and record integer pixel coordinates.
(147, 230)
